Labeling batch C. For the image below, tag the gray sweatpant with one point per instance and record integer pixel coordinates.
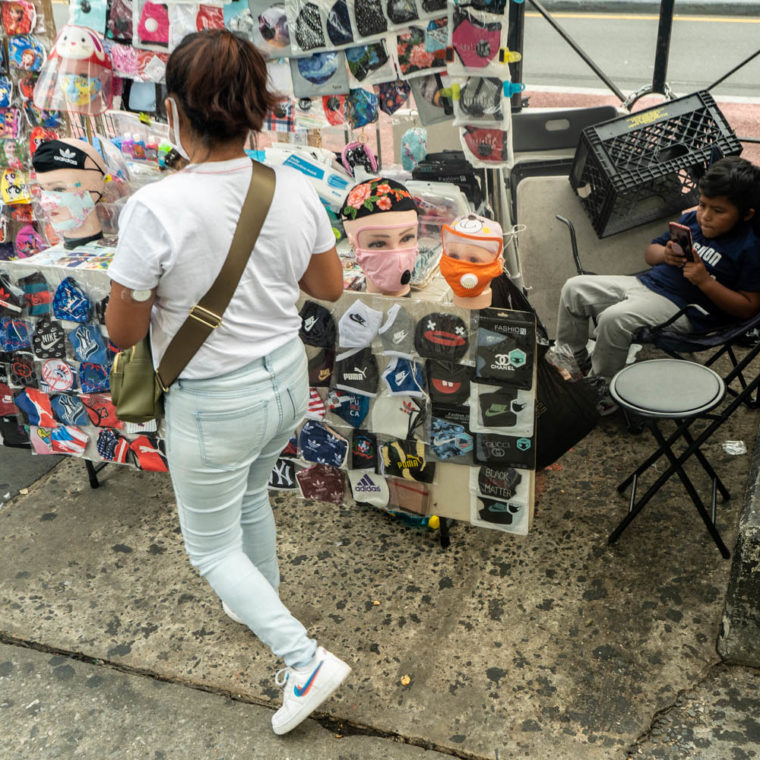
(619, 304)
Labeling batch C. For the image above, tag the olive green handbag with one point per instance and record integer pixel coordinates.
(136, 388)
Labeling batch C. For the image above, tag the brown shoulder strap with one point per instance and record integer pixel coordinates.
(206, 316)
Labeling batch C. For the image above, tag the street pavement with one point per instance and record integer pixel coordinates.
(554, 645)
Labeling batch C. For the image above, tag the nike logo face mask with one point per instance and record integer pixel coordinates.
(388, 268)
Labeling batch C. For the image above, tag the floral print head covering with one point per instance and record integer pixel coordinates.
(374, 196)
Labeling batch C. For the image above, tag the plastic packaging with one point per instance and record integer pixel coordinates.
(734, 448)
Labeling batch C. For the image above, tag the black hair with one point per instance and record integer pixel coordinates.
(736, 179)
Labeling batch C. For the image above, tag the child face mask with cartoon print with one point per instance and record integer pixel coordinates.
(472, 257)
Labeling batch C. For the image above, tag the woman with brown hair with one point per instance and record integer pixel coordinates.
(236, 403)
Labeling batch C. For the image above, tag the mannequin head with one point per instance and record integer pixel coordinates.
(71, 175)
(380, 219)
(472, 257)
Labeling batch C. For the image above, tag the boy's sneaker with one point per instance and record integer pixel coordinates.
(306, 688)
(231, 615)
(605, 404)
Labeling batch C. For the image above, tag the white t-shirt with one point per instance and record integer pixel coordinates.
(175, 234)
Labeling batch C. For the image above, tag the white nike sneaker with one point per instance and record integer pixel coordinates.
(231, 615)
(307, 688)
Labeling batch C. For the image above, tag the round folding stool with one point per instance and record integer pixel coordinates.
(680, 391)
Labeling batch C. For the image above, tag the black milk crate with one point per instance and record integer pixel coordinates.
(645, 166)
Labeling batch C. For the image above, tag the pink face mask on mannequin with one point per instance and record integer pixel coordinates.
(389, 268)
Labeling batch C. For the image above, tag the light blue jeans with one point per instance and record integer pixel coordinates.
(223, 437)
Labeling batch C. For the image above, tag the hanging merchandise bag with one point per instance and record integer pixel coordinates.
(368, 19)
(487, 147)
(565, 412)
(306, 21)
(319, 74)
(413, 59)
(400, 13)
(369, 64)
(478, 42)
(432, 98)
(271, 31)
(479, 101)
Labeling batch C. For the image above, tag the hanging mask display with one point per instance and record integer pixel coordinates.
(306, 21)
(209, 17)
(90, 13)
(392, 95)
(38, 118)
(361, 108)
(479, 101)
(238, 19)
(476, 42)
(120, 20)
(334, 107)
(26, 83)
(319, 74)
(10, 124)
(271, 31)
(38, 136)
(28, 242)
(412, 56)
(369, 63)
(77, 75)
(368, 19)
(401, 12)
(338, 23)
(14, 187)
(431, 96)
(153, 24)
(13, 154)
(25, 52)
(124, 60)
(6, 92)
(431, 7)
(19, 17)
(485, 147)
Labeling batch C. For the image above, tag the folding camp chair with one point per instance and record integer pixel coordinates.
(720, 340)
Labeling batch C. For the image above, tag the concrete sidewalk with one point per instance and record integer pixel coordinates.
(551, 646)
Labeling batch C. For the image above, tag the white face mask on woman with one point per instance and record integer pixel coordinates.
(174, 129)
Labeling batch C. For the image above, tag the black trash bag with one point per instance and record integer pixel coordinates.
(565, 411)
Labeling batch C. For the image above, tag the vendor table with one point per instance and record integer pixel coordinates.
(395, 441)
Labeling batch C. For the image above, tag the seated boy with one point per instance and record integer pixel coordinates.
(724, 278)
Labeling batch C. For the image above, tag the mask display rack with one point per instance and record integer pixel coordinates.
(443, 426)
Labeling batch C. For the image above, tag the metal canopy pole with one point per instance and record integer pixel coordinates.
(662, 52)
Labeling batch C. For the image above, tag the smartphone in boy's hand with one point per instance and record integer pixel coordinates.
(680, 235)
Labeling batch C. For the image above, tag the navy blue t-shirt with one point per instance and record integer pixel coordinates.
(732, 259)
